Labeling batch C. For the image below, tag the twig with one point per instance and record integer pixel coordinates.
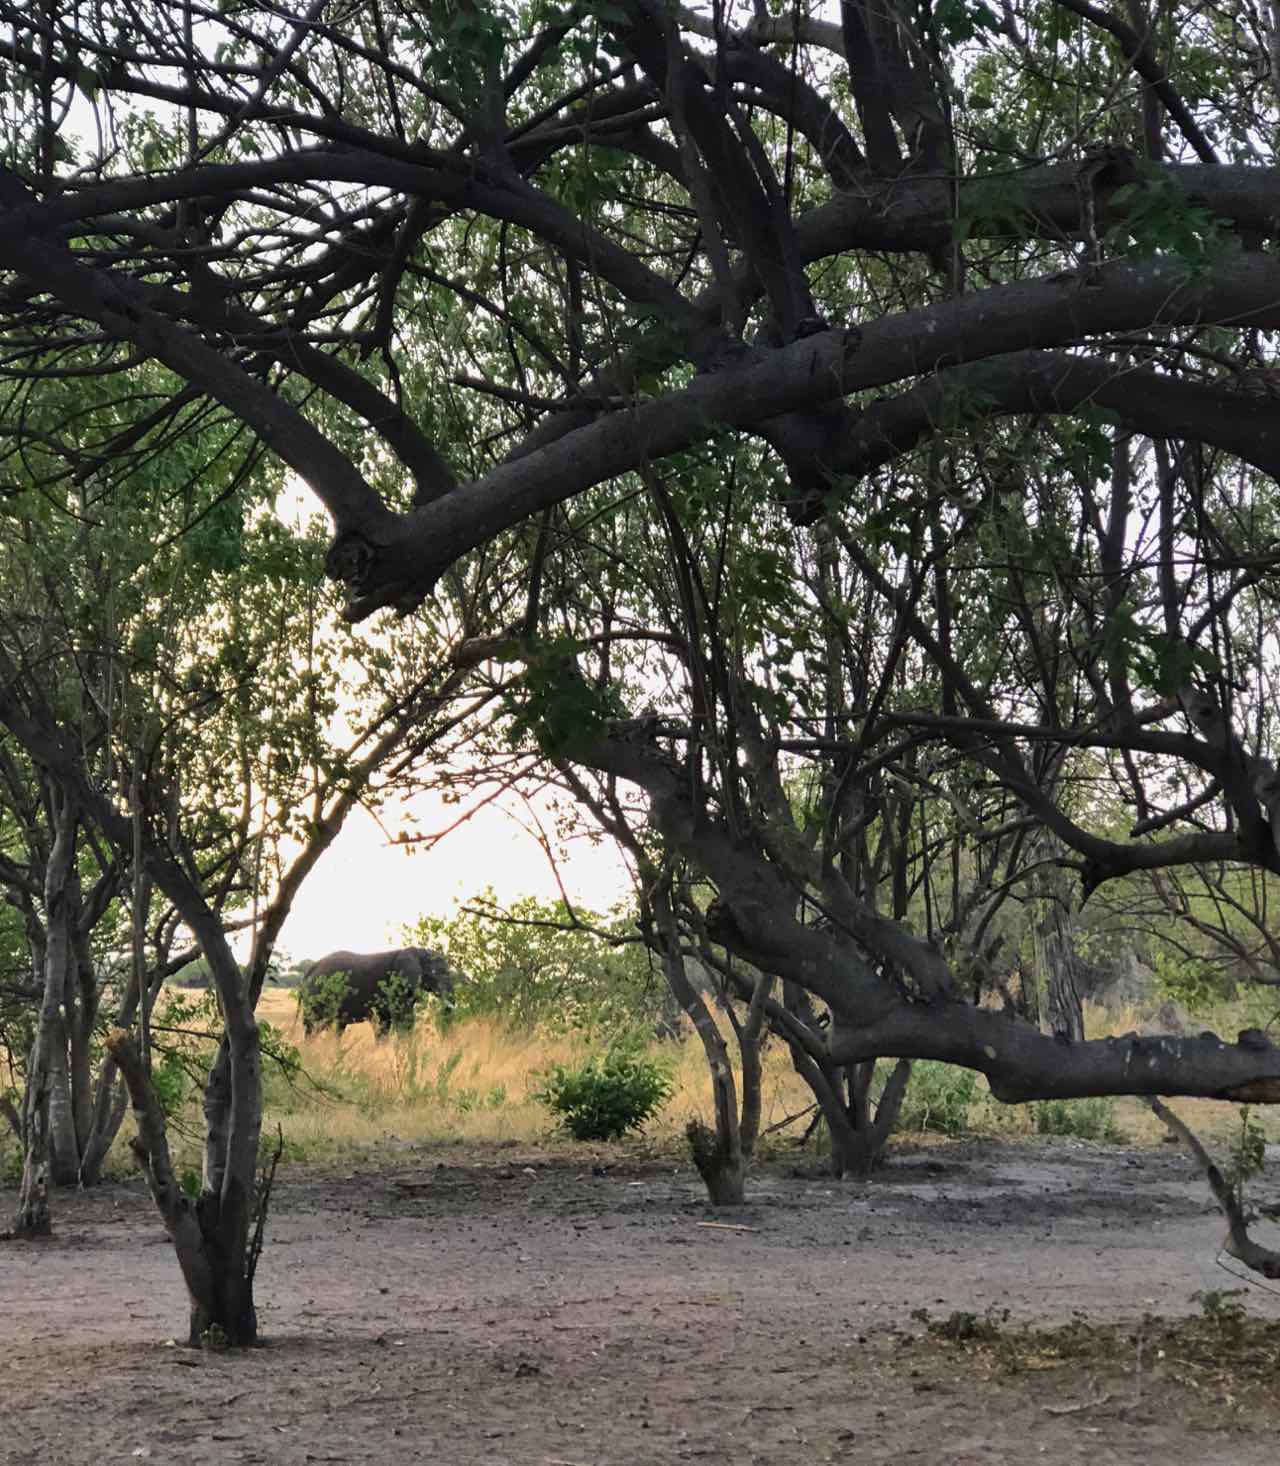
(790, 1120)
(727, 1226)
(263, 1203)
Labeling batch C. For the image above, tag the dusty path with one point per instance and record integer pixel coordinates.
(515, 1307)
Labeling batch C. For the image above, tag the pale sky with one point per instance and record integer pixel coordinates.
(365, 889)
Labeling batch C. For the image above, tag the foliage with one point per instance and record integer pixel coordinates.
(542, 963)
(964, 1327)
(1219, 1353)
(939, 1097)
(1085, 1119)
(321, 998)
(1223, 1312)
(552, 702)
(1248, 1153)
(185, 1033)
(398, 998)
(607, 1096)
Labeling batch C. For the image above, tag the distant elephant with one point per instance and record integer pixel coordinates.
(381, 987)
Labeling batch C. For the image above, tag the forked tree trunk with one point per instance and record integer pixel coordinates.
(110, 1104)
(110, 1098)
(859, 1132)
(717, 1153)
(211, 1235)
(720, 1155)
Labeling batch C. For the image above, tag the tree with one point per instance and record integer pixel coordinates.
(166, 704)
(988, 327)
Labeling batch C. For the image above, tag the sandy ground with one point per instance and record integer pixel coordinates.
(526, 1306)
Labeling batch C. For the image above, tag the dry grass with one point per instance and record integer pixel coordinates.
(474, 1083)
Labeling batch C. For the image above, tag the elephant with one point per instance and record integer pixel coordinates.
(380, 987)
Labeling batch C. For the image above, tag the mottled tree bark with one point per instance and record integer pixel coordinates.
(211, 1233)
(46, 1109)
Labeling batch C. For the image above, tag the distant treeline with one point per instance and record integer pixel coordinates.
(196, 974)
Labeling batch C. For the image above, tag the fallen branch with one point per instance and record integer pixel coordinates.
(1238, 1244)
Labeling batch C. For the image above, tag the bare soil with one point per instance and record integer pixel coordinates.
(548, 1308)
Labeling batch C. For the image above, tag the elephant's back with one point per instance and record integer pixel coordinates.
(335, 962)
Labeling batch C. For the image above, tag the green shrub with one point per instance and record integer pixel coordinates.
(1085, 1119)
(608, 1095)
(938, 1098)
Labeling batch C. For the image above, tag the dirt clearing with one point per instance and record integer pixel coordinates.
(550, 1309)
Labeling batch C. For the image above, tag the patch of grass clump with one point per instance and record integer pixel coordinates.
(963, 1327)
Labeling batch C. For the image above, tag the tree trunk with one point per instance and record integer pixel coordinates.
(211, 1235)
(858, 1137)
(64, 1150)
(854, 1152)
(82, 1013)
(719, 1162)
(110, 1103)
(47, 1104)
(717, 1153)
(33, 1218)
(1065, 1004)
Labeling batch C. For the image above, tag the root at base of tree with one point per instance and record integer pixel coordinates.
(722, 1172)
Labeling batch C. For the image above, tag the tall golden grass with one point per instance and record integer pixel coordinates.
(475, 1082)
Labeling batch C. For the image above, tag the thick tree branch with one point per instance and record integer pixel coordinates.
(1153, 403)
(1021, 1063)
(1245, 291)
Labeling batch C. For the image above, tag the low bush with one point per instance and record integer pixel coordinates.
(938, 1098)
(1085, 1119)
(607, 1096)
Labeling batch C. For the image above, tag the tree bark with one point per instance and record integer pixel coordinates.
(718, 1153)
(64, 1150)
(47, 1103)
(210, 1235)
